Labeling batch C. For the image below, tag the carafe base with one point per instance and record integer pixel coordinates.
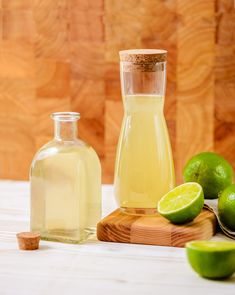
(139, 211)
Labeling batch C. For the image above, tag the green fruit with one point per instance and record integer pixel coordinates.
(213, 260)
(182, 204)
(211, 170)
(226, 207)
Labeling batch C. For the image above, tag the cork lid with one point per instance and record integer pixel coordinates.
(142, 56)
(28, 240)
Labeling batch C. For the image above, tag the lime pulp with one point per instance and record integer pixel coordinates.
(183, 203)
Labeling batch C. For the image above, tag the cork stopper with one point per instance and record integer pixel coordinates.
(28, 240)
(144, 60)
(139, 56)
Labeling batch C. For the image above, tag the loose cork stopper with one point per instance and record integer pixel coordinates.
(143, 56)
(28, 240)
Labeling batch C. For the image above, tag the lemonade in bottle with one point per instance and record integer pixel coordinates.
(144, 169)
(65, 178)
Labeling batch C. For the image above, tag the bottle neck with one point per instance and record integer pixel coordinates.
(65, 130)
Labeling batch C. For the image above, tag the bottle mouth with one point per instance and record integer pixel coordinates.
(65, 116)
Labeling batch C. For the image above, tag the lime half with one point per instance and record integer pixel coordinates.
(183, 203)
(212, 259)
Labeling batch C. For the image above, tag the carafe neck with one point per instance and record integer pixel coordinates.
(65, 126)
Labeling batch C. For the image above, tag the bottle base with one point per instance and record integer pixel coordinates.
(66, 236)
(69, 237)
(139, 211)
(62, 240)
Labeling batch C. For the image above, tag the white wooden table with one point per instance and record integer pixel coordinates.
(91, 268)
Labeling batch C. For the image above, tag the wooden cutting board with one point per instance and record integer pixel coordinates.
(154, 230)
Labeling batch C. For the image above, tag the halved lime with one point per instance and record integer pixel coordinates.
(183, 203)
(212, 259)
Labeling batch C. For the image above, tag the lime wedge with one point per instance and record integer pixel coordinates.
(183, 203)
(212, 259)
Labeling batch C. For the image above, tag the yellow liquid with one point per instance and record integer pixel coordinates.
(65, 193)
(144, 166)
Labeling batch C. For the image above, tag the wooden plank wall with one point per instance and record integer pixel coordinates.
(58, 55)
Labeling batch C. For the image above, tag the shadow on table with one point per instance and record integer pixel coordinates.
(230, 280)
(44, 247)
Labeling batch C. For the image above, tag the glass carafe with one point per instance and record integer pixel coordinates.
(144, 169)
(65, 181)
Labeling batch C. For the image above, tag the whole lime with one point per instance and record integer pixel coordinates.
(211, 171)
(212, 259)
(226, 207)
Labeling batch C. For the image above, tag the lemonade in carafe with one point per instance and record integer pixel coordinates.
(144, 169)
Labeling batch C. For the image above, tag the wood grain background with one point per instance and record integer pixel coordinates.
(60, 55)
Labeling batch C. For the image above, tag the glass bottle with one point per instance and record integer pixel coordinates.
(144, 169)
(65, 181)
